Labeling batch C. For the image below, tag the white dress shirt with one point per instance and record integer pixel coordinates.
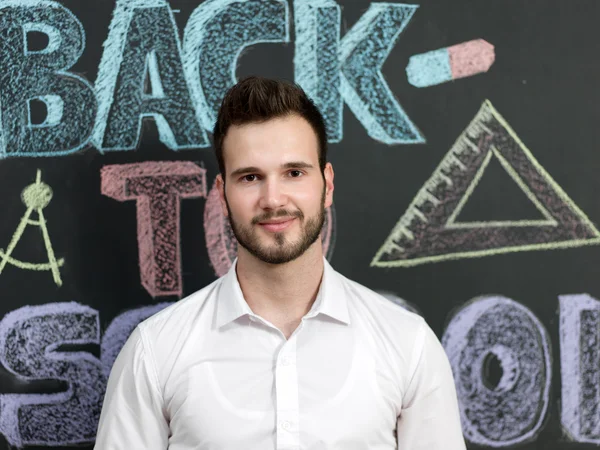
(206, 373)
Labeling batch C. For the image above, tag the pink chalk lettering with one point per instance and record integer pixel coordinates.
(157, 188)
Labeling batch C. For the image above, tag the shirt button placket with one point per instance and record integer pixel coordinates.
(286, 387)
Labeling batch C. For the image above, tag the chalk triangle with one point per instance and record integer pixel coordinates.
(517, 185)
(429, 232)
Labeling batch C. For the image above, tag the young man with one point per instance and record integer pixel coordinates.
(282, 352)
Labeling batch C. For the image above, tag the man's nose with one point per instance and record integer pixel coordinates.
(273, 195)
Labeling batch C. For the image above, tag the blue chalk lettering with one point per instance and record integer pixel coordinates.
(316, 66)
(214, 37)
(143, 40)
(29, 341)
(41, 74)
(362, 53)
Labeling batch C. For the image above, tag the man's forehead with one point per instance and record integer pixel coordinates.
(283, 124)
(273, 144)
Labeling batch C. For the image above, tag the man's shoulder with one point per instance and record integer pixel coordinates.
(181, 313)
(367, 301)
(397, 334)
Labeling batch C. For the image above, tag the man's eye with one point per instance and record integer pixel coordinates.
(295, 173)
(249, 178)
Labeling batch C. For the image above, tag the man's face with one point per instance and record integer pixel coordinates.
(274, 194)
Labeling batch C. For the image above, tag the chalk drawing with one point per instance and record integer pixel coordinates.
(36, 197)
(29, 75)
(362, 52)
(222, 244)
(216, 34)
(513, 411)
(143, 43)
(118, 332)
(580, 367)
(450, 63)
(158, 188)
(428, 231)
(30, 340)
(316, 66)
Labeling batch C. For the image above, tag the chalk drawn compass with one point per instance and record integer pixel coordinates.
(36, 197)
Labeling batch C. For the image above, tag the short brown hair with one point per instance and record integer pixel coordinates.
(257, 99)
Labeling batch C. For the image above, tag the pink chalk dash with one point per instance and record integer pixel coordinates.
(470, 58)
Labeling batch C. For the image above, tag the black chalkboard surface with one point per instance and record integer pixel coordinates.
(463, 138)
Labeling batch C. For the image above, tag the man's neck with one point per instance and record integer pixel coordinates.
(281, 293)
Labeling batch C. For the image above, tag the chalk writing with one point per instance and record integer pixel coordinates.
(158, 188)
(512, 411)
(428, 231)
(580, 367)
(498, 413)
(30, 340)
(145, 72)
(316, 66)
(215, 35)
(41, 75)
(362, 52)
(142, 44)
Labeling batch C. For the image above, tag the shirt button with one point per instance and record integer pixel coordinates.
(286, 361)
(286, 425)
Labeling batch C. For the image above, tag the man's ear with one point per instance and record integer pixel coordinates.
(221, 187)
(329, 187)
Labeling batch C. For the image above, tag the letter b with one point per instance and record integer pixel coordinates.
(29, 75)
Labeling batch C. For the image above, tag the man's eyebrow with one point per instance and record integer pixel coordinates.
(297, 165)
(243, 170)
(288, 165)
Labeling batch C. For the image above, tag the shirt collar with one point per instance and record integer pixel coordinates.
(230, 300)
(331, 298)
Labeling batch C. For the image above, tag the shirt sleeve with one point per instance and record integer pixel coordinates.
(429, 419)
(132, 415)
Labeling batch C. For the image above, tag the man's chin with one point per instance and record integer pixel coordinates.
(274, 255)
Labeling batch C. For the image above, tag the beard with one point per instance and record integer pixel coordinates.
(282, 250)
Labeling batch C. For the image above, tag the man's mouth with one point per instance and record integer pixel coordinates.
(278, 224)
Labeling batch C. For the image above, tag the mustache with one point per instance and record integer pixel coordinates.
(280, 213)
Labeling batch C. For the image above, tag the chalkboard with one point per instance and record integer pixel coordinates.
(462, 135)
